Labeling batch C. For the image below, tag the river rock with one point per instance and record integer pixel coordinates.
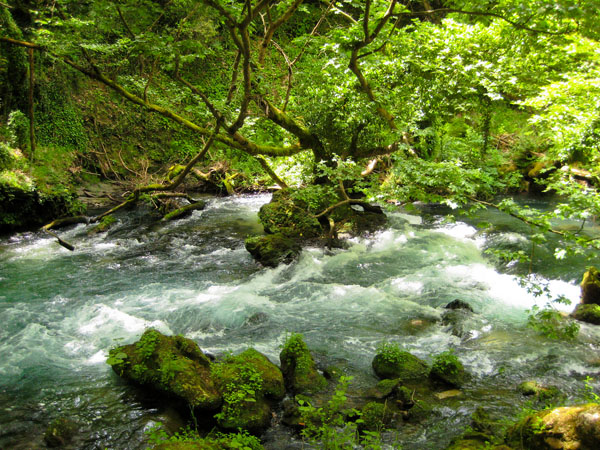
(299, 368)
(173, 365)
(589, 313)
(533, 388)
(273, 249)
(447, 369)
(247, 381)
(399, 365)
(590, 287)
(288, 214)
(60, 432)
(566, 428)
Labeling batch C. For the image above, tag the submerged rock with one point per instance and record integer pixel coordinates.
(455, 315)
(299, 368)
(566, 428)
(273, 249)
(60, 432)
(173, 365)
(590, 287)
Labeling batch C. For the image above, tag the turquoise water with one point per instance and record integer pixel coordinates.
(62, 311)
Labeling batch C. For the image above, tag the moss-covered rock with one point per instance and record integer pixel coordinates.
(375, 417)
(173, 365)
(590, 287)
(475, 441)
(567, 428)
(103, 225)
(60, 432)
(589, 313)
(246, 381)
(448, 369)
(384, 389)
(421, 410)
(533, 388)
(220, 442)
(23, 206)
(299, 368)
(273, 249)
(290, 215)
(392, 363)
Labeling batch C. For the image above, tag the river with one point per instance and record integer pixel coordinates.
(62, 311)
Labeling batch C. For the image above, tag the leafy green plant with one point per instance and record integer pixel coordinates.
(18, 125)
(328, 426)
(390, 352)
(446, 362)
(147, 344)
(240, 384)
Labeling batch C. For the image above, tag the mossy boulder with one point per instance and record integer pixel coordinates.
(566, 428)
(590, 287)
(474, 441)
(384, 389)
(60, 432)
(23, 206)
(533, 388)
(221, 442)
(375, 417)
(589, 313)
(173, 365)
(247, 381)
(290, 215)
(273, 249)
(392, 363)
(448, 369)
(299, 368)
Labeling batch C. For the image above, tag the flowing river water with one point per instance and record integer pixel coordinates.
(61, 312)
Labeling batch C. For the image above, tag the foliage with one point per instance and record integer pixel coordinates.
(147, 344)
(329, 428)
(157, 436)
(18, 126)
(446, 363)
(240, 383)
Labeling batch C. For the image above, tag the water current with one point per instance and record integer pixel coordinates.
(61, 312)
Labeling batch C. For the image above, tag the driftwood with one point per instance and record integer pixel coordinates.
(187, 209)
(65, 244)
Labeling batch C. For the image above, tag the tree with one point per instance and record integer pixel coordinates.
(344, 82)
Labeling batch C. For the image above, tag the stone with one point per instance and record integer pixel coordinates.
(299, 368)
(566, 428)
(60, 432)
(173, 365)
(590, 287)
(587, 312)
(273, 249)
(447, 369)
(399, 365)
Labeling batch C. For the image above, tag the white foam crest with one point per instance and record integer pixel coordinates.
(102, 320)
(462, 232)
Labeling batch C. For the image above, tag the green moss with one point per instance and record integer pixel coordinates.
(299, 368)
(104, 225)
(171, 364)
(375, 417)
(590, 287)
(59, 432)
(244, 381)
(447, 369)
(589, 313)
(192, 441)
(273, 249)
(392, 363)
(290, 215)
(384, 389)
(533, 388)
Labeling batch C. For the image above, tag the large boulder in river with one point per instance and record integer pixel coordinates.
(273, 249)
(565, 428)
(590, 287)
(393, 363)
(173, 365)
(589, 313)
(299, 368)
(290, 215)
(247, 381)
(447, 369)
